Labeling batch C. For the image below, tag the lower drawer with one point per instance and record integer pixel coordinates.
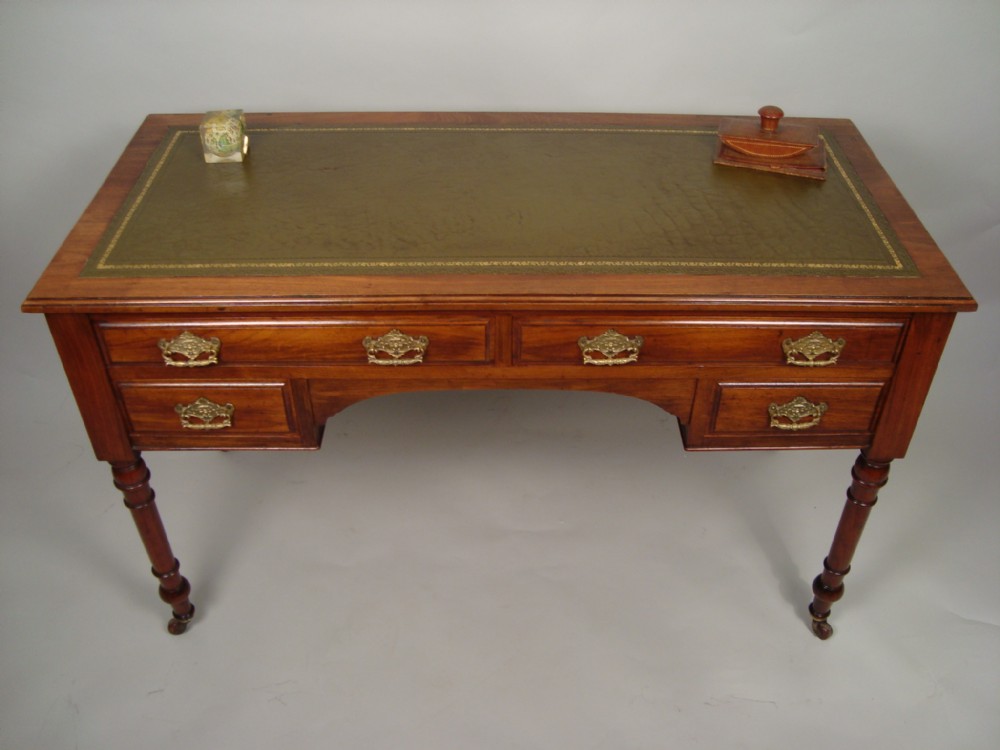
(793, 409)
(746, 415)
(185, 414)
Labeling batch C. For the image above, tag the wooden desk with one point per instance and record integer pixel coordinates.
(240, 306)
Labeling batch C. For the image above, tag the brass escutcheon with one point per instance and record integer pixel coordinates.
(395, 345)
(188, 350)
(806, 351)
(614, 348)
(205, 415)
(790, 416)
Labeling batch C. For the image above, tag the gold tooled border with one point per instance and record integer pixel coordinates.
(103, 263)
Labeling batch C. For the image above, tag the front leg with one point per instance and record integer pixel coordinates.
(869, 477)
(132, 478)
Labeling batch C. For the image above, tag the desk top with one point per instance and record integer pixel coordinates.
(338, 209)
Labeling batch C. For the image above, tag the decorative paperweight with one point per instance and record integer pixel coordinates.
(223, 136)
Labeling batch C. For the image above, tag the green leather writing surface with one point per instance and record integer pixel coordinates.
(371, 200)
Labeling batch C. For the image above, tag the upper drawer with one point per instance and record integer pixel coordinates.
(401, 340)
(638, 341)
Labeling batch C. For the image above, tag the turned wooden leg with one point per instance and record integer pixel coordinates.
(869, 477)
(132, 478)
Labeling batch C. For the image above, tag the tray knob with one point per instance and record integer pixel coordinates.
(770, 116)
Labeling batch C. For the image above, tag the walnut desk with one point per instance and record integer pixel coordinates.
(239, 306)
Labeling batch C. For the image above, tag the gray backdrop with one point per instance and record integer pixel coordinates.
(551, 570)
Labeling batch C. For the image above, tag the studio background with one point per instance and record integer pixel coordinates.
(538, 570)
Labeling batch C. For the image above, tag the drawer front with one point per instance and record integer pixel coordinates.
(806, 343)
(384, 340)
(209, 413)
(792, 410)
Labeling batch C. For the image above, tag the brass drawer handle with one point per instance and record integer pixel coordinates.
(392, 348)
(614, 348)
(188, 350)
(806, 351)
(797, 414)
(205, 415)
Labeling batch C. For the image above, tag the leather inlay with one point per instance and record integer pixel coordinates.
(404, 200)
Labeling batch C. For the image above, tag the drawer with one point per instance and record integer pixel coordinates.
(794, 410)
(192, 414)
(377, 341)
(641, 341)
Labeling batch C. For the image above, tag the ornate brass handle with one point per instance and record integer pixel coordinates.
(392, 348)
(188, 350)
(205, 415)
(808, 350)
(614, 348)
(797, 414)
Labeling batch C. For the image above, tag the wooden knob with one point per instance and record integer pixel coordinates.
(769, 117)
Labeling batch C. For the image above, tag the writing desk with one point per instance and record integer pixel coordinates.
(240, 306)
